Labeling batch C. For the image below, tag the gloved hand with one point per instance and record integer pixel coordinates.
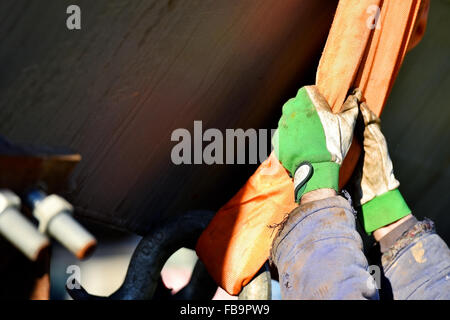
(377, 189)
(311, 141)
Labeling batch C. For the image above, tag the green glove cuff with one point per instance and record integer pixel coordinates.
(325, 176)
(383, 210)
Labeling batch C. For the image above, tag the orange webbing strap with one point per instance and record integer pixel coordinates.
(345, 65)
(237, 242)
(380, 53)
(344, 50)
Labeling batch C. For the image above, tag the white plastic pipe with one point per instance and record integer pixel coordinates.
(64, 228)
(17, 229)
(55, 219)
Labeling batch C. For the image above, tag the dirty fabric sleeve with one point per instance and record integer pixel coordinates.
(417, 265)
(318, 253)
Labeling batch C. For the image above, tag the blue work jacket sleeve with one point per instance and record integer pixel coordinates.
(417, 265)
(318, 253)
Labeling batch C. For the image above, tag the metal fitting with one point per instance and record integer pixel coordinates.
(17, 229)
(55, 219)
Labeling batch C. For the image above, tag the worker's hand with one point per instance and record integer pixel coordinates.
(376, 186)
(311, 141)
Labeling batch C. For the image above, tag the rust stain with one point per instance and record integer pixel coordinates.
(418, 252)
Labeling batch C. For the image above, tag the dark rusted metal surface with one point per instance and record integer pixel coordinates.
(116, 89)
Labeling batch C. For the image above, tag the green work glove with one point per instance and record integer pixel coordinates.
(377, 189)
(311, 141)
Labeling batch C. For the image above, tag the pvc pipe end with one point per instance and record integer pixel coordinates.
(71, 234)
(22, 234)
(87, 250)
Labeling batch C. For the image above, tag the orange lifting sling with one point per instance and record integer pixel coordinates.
(357, 53)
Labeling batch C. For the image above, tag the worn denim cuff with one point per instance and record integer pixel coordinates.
(389, 239)
(408, 236)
